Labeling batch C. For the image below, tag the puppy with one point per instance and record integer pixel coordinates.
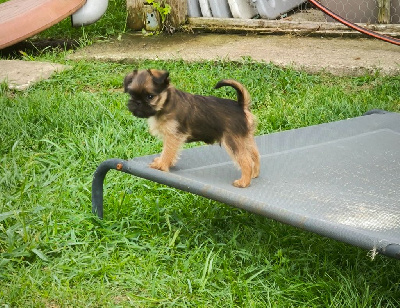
(178, 117)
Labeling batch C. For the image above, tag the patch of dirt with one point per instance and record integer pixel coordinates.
(339, 56)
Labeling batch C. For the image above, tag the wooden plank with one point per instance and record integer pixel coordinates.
(281, 26)
(179, 11)
(135, 19)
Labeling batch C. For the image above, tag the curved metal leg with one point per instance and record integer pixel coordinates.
(98, 180)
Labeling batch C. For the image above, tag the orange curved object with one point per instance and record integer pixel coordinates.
(21, 19)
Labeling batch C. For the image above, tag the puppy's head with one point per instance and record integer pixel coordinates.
(147, 90)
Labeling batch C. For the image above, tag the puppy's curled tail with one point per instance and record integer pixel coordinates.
(243, 95)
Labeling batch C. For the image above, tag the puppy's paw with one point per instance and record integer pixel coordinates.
(255, 173)
(241, 183)
(159, 164)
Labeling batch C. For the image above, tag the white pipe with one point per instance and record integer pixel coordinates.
(89, 13)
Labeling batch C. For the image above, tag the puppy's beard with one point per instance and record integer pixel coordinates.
(140, 114)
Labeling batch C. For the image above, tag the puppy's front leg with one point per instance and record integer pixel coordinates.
(168, 157)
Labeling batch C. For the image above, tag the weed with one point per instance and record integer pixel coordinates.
(163, 9)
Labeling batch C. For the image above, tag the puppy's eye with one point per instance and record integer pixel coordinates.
(150, 97)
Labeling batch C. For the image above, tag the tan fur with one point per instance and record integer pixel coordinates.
(246, 158)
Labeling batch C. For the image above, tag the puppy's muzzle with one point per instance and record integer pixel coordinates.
(140, 110)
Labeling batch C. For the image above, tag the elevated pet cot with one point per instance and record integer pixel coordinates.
(340, 179)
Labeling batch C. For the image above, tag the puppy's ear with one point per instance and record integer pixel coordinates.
(128, 79)
(160, 77)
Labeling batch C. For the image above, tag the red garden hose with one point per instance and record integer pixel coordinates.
(385, 38)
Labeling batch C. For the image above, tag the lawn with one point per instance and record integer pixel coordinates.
(158, 246)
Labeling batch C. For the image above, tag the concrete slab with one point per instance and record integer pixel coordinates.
(21, 74)
(339, 56)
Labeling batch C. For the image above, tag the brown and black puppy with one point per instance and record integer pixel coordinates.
(178, 117)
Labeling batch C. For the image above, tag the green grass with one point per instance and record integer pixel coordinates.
(158, 246)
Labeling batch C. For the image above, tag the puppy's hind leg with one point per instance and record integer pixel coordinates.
(245, 164)
(242, 157)
(255, 156)
(171, 146)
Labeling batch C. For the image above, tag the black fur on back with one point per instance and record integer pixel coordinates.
(205, 118)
